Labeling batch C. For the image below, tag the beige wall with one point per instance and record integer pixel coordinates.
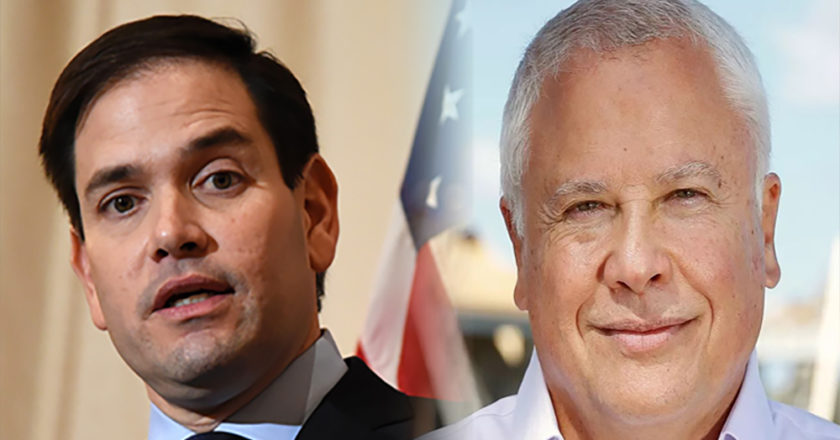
(365, 65)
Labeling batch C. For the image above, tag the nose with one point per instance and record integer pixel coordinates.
(177, 231)
(636, 260)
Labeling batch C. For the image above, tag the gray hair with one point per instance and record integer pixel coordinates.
(606, 25)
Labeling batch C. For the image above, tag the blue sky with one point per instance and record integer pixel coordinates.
(797, 45)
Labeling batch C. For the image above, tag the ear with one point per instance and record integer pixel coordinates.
(81, 265)
(520, 296)
(320, 210)
(772, 191)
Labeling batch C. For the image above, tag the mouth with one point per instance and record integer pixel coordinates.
(635, 337)
(189, 290)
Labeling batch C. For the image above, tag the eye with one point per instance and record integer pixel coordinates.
(589, 205)
(686, 193)
(223, 180)
(220, 177)
(687, 196)
(584, 210)
(121, 204)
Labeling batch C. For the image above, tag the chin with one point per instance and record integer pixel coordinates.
(197, 379)
(199, 360)
(649, 397)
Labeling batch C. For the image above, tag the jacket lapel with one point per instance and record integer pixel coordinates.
(360, 406)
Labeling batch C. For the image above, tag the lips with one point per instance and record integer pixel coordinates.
(637, 337)
(189, 290)
(641, 327)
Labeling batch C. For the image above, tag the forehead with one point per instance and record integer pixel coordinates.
(661, 101)
(159, 108)
(164, 88)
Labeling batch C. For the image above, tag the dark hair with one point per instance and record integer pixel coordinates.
(280, 100)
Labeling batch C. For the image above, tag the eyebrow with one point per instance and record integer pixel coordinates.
(577, 187)
(107, 176)
(225, 136)
(673, 174)
(688, 170)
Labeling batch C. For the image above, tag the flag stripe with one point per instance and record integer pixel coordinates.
(382, 336)
(431, 364)
(411, 336)
(416, 359)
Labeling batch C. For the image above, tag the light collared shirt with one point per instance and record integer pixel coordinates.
(278, 412)
(754, 416)
(529, 415)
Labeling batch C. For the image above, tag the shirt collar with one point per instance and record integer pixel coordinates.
(281, 409)
(750, 416)
(534, 416)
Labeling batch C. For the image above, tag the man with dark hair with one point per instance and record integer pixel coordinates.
(202, 222)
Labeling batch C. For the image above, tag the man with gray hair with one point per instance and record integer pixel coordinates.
(636, 195)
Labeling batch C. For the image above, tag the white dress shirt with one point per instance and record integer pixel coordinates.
(529, 415)
(278, 413)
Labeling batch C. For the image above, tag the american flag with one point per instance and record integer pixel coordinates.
(411, 337)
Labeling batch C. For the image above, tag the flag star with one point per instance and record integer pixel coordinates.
(464, 18)
(450, 104)
(432, 198)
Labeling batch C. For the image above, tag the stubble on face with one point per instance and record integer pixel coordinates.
(248, 234)
(194, 358)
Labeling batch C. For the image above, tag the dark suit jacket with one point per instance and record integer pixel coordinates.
(363, 406)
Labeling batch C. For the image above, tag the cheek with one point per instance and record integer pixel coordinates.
(707, 260)
(120, 257)
(265, 244)
(118, 280)
(723, 263)
(748, 282)
(719, 249)
(561, 277)
(262, 225)
(247, 236)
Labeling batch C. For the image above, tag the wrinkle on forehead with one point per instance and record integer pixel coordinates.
(689, 170)
(671, 175)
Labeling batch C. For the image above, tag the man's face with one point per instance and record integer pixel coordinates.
(197, 258)
(644, 252)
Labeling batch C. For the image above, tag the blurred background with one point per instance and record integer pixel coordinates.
(366, 65)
